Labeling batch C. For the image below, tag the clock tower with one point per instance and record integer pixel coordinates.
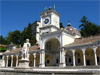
(49, 21)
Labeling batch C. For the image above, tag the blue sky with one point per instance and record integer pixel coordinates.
(16, 14)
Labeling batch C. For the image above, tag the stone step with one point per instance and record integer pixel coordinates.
(71, 67)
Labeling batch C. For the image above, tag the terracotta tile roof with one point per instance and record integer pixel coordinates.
(19, 49)
(1, 45)
(34, 48)
(72, 30)
(13, 51)
(86, 40)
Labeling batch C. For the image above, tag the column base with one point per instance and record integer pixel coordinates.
(84, 65)
(23, 64)
(62, 65)
(41, 65)
(3, 64)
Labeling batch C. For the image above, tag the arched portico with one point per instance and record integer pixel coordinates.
(52, 47)
(98, 55)
(69, 58)
(90, 58)
(79, 57)
(14, 61)
(9, 61)
(31, 60)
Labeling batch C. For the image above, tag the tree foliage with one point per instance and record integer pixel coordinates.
(61, 25)
(3, 40)
(88, 28)
(27, 33)
(18, 37)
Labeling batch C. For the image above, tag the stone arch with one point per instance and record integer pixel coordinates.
(31, 60)
(9, 61)
(98, 55)
(19, 57)
(52, 51)
(52, 44)
(48, 60)
(37, 59)
(89, 55)
(69, 58)
(78, 57)
(14, 60)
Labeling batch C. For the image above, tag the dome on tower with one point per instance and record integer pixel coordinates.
(72, 30)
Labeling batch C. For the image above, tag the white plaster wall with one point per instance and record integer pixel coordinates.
(67, 39)
(53, 16)
(38, 30)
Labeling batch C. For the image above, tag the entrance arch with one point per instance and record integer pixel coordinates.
(52, 52)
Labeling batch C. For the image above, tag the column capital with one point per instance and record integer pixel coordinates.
(7, 56)
(83, 50)
(11, 55)
(73, 51)
(94, 48)
(17, 57)
(34, 55)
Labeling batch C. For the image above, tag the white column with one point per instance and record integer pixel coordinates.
(73, 51)
(95, 56)
(7, 62)
(62, 58)
(84, 60)
(16, 60)
(42, 57)
(3, 63)
(34, 59)
(11, 60)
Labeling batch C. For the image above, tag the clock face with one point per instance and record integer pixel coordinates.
(46, 21)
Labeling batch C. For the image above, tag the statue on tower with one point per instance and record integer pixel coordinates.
(25, 50)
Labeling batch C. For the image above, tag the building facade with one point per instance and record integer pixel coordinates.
(36, 30)
(57, 47)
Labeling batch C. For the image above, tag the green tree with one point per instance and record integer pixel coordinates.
(88, 28)
(9, 37)
(14, 37)
(61, 25)
(28, 34)
(3, 40)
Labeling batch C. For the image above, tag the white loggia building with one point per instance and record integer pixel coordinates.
(60, 47)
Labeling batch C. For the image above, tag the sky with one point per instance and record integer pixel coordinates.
(17, 14)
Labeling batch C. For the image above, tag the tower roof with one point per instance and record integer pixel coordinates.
(68, 24)
(72, 30)
(49, 11)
